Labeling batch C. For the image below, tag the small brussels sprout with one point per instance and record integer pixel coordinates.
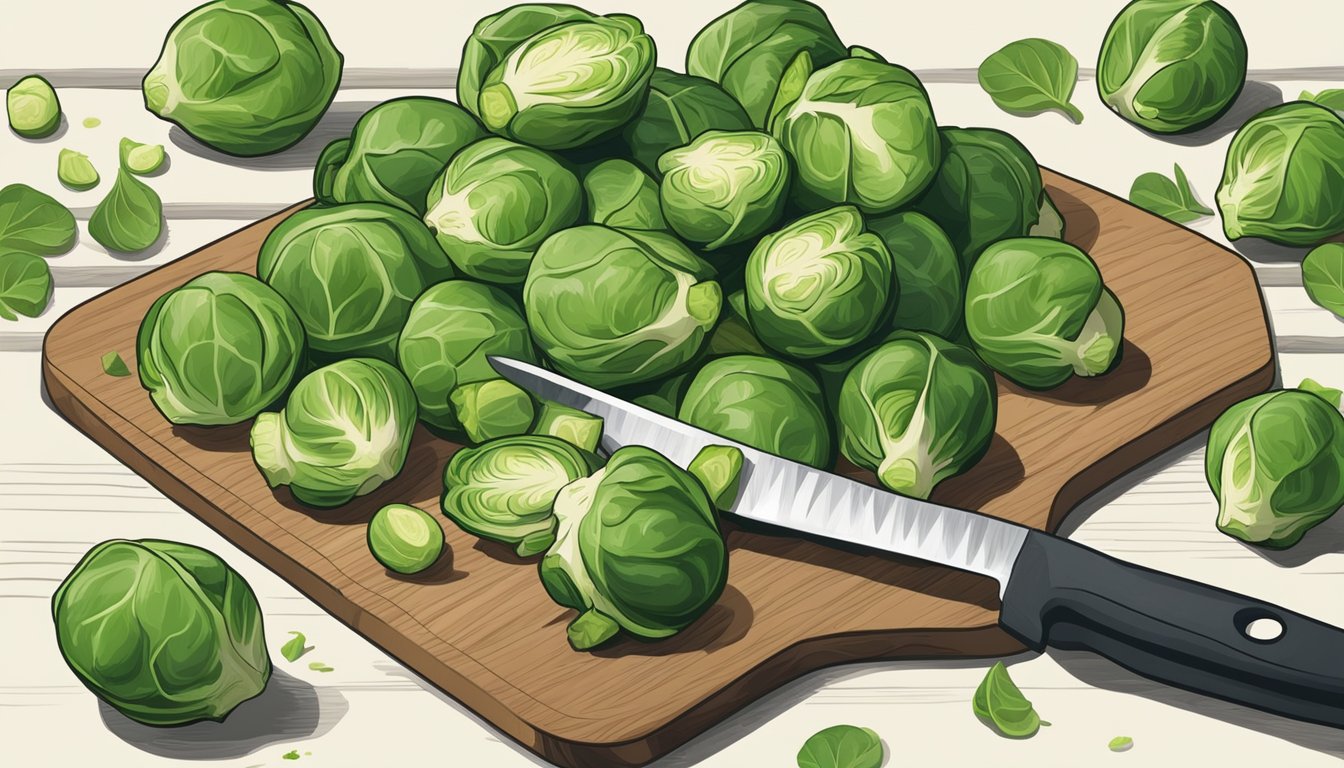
(928, 274)
(395, 153)
(861, 132)
(724, 187)
(637, 547)
(719, 470)
(622, 196)
(747, 49)
(1276, 464)
(166, 633)
(988, 188)
(1284, 176)
(404, 539)
(1037, 312)
(76, 171)
(1171, 66)
(246, 77)
(616, 307)
(33, 108)
(505, 489)
(351, 272)
(141, 159)
(344, 431)
(679, 108)
(820, 284)
(916, 410)
(450, 331)
(495, 203)
(218, 350)
(767, 404)
(578, 428)
(556, 77)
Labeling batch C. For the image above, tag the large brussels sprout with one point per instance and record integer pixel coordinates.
(247, 77)
(615, 307)
(452, 328)
(928, 274)
(505, 489)
(1284, 177)
(618, 194)
(351, 273)
(166, 633)
(861, 131)
(1276, 464)
(344, 431)
(819, 284)
(724, 187)
(494, 205)
(1171, 65)
(555, 76)
(916, 410)
(1038, 312)
(218, 350)
(396, 151)
(747, 49)
(767, 404)
(637, 547)
(679, 108)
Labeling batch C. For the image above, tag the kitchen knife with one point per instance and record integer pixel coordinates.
(1054, 592)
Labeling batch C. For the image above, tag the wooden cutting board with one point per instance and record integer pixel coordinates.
(479, 625)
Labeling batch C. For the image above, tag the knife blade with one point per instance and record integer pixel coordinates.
(1054, 592)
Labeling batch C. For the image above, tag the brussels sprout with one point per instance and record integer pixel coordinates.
(819, 284)
(218, 350)
(679, 108)
(395, 153)
(861, 131)
(555, 76)
(929, 277)
(988, 188)
(495, 203)
(1049, 222)
(620, 195)
(1171, 66)
(916, 410)
(1037, 312)
(767, 404)
(637, 547)
(578, 428)
(351, 273)
(32, 106)
(719, 470)
(1276, 464)
(451, 330)
(345, 431)
(616, 307)
(404, 539)
(505, 489)
(166, 633)
(246, 77)
(76, 171)
(724, 187)
(747, 49)
(1284, 176)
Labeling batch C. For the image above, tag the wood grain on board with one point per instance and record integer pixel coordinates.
(479, 625)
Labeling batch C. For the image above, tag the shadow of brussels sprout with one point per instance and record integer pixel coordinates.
(337, 123)
(1255, 97)
(441, 572)
(726, 622)
(1130, 372)
(1082, 225)
(288, 710)
(504, 553)
(999, 471)
(61, 128)
(1327, 538)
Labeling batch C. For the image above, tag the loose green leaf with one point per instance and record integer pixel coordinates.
(1323, 276)
(1027, 77)
(1000, 704)
(33, 222)
(1172, 200)
(292, 754)
(75, 171)
(841, 746)
(130, 218)
(113, 365)
(295, 647)
(319, 666)
(1121, 744)
(1328, 394)
(25, 285)
(1332, 98)
(141, 159)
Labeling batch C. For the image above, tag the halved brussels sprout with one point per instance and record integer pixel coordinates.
(679, 108)
(928, 273)
(404, 539)
(622, 196)
(724, 187)
(33, 108)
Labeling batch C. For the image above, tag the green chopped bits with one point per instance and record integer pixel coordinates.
(75, 171)
(295, 647)
(719, 469)
(113, 365)
(33, 108)
(292, 754)
(141, 159)
(319, 666)
(579, 429)
(1120, 744)
(92, 122)
(999, 703)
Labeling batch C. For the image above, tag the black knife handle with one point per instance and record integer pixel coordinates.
(1174, 630)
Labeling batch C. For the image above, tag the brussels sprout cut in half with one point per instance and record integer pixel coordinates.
(1038, 312)
(916, 410)
(141, 159)
(494, 205)
(1284, 176)
(505, 489)
(218, 350)
(719, 470)
(32, 106)
(1171, 66)
(637, 547)
(928, 273)
(246, 77)
(344, 431)
(1276, 464)
(724, 187)
(618, 194)
(404, 539)
(679, 108)
(166, 633)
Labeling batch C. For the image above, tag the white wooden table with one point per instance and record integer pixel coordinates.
(60, 494)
